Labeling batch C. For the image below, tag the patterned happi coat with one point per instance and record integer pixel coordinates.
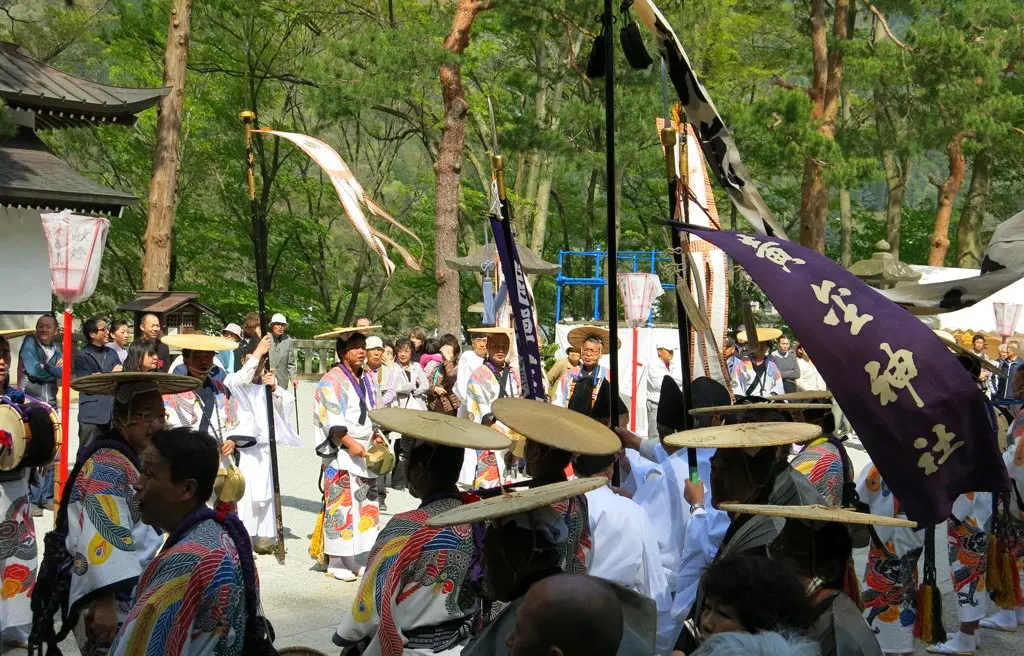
(482, 467)
(106, 537)
(890, 578)
(190, 599)
(18, 550)
(416, 596)
(575, 551)
(186, 409)
(967, 533)
(352, 513)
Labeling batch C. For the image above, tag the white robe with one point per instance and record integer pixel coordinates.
(255, 506)
(469, 362)
(624, 549)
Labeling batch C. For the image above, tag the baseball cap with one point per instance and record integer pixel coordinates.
(666, 345)
(374, 342)
(279, 318)
(234, 329)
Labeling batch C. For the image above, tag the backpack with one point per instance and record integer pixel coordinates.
(53, 584)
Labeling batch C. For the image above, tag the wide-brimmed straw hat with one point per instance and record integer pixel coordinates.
(438, 428)
(380, 459)
(516, 501)
(817, 513)
(745, 436)
(557, 427)
(809, 396)
(199, 342)
(580, 334)
(14, 333)
(107, 384)
(754, 407)
(950, 341)
(345, 332)
(763, 335)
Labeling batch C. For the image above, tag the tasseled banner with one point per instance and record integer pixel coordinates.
(1002, 575)
(929, 600)
(851, 585)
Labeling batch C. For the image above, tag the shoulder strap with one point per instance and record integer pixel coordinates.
(759, 372)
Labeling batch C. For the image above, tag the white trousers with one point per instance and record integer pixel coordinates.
(258, 518)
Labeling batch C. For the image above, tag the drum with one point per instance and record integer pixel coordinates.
(30, 435)
(13, 440)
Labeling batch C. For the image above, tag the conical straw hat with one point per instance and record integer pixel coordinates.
(751, 407)
(817, 514)
(745, 436)
(804, 396)
(199, 342)
(438, 428)
(579, 334)
(557, 427)
(107, 384)
(517, 500)
(14, 333)
(343, 332)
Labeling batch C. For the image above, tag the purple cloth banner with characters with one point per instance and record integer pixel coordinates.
(916, 410)
(522, 313)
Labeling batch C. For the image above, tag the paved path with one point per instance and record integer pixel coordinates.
(305, 605)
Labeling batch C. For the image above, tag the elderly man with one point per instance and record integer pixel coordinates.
(40, 366)
(341, 408)
(282, 353)
(654, 376)
(105, 536)
(493, 380)
(578, 387)
(150, 327)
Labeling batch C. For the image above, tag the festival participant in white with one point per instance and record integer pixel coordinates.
(248, 388)
(470, 360)
(495, 379)
(341, 408)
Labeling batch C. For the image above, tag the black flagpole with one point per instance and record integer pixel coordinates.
(259, 238)
(612, 248)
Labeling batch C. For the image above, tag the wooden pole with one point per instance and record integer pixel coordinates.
(259, 238)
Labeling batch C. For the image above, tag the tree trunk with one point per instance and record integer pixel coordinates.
(845, 209)
(826, 81)
(968, 235)
(947, 194)
(156, 264)
(897, 172)
(448, 168)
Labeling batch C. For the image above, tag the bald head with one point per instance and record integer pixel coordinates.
(568, 615)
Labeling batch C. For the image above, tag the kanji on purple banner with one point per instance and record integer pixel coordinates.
(921, 417)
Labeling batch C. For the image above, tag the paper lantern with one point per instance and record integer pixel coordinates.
(638, 290)
(76, 246)
(1007, 315)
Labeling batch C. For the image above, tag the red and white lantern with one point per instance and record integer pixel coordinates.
(638, 291)
(1007, 315)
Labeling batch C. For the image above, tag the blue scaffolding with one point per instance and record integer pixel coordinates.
(640, 261)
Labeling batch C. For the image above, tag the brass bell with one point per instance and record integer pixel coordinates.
(229, 486)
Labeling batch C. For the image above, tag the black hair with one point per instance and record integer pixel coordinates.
(585, 465)
(190, 454)
(976, 337)
(816, 551)
(136, 351)
(403, 342)
(115, 325)
(443, 462)
(341, 343)
(449, 339)
(431, 346)
(571, 349)
(418, 333)
(595, 339)
(764, 594)
(91, 326)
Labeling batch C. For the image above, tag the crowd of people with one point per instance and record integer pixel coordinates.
(538, 529)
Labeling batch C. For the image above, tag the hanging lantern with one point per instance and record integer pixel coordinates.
(76, 246)
(638, 290)
(1007, 315)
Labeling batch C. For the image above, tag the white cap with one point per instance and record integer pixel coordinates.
(374, 342)
(667, 345)
(278, 318)
(234, 329)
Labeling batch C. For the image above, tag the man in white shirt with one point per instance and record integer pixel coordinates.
(470, 361)
(655, 374)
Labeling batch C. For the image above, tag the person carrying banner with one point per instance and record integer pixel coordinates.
(342, 402)
(404, 605)
(495, 379)
(578, 386)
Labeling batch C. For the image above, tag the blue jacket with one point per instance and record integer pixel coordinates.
(38, 375)
(94, 409)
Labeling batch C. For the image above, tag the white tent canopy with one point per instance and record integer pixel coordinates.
(979, 317)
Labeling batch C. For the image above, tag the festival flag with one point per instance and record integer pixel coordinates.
(527, 342)
(916, 410)
(352, 198)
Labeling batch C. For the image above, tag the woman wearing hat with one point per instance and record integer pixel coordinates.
(341, 406)
(107, 545)
(419, 595)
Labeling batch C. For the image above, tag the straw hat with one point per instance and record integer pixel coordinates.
(763, 335)
(199, 342)
(822, 395)
(556, 426)
(106, 384)
(14, 333)
(491, 330)
(745, 436)
(750, 407)
(817, 513)
(949, 340)
(579, 334)
(438, 428)
(345, 332)
(229, 486)
(516, 501)
(380, 459)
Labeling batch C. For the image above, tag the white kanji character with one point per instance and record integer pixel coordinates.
(897, 374)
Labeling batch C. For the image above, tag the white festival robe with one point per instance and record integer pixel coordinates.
(352, 511)
(18, 552)
(255, 508)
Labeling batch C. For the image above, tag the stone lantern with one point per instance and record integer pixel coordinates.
(882, 270)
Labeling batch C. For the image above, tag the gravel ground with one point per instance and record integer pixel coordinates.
(305, 605)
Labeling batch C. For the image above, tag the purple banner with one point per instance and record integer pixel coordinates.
(522, 310)
(921, 417)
